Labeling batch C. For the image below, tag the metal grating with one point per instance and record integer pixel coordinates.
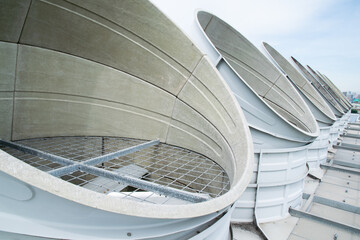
(164, 165)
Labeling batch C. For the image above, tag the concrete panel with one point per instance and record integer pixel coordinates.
(323, 119)
(12, 18)
(192, 131)
(291, 110)
(328, 88)
(268, 129)
(303, 84)
(205, 92)
(6, 109)
(236, 46)
(259, 73)
(8, 52)
(73, 30)
(145, 23)
(41, 70)
(258, 83)
(42, 114)
(337, 90)
(115, 68)
(337, 110)
(204, 89)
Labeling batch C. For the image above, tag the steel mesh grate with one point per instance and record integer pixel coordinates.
(162, 164)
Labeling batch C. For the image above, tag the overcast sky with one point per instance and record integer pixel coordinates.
(323, 34)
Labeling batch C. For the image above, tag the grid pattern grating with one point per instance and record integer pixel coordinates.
(162, 164)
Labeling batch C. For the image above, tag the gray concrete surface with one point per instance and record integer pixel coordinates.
(325, 115)
(118, 69)
(258, 72)
(8, 52)
(335, 107)
(329, 89)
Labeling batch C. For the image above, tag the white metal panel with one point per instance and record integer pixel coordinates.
(279, 185)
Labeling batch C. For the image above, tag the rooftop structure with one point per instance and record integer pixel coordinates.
(117, 124)
(110, 117)
(280, 122)
(335, 107)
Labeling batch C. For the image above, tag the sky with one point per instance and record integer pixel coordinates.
(323, 34)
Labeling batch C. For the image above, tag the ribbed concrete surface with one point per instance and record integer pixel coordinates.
(117, 68)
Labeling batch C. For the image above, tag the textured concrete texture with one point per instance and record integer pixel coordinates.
(335, 107)
(8, 52)
(12, 18)
(6, 109)
(118, 68)
(246, 231)
(336, 89)
(323, 113)
(329, 89)
(259, 73)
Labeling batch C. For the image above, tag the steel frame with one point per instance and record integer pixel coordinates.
(86, 166)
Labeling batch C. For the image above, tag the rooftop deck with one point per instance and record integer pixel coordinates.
(331, 205)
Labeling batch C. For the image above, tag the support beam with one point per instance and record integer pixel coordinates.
(352, 128)
(123, 152)
(346, 164)
(349, 135)
(38, 153)
(123, 178)
(336, 204)
(64, 170)
(131, 181)
(301, 214)
(309, 200)
(104, 158)
(145, 185)
(354, 148)
(340, 168)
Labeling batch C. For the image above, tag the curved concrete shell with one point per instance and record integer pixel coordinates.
(280, 122)
(335, 107)
(322, 112)
(328, 88)
(317, 152)
(120, 69)
(335, 89)
(345, 118)
(283, 108)
(336, 93)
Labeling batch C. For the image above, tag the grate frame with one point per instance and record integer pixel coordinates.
(174, 175)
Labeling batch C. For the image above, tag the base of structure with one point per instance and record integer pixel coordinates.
(277, 184)
(317, 152)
